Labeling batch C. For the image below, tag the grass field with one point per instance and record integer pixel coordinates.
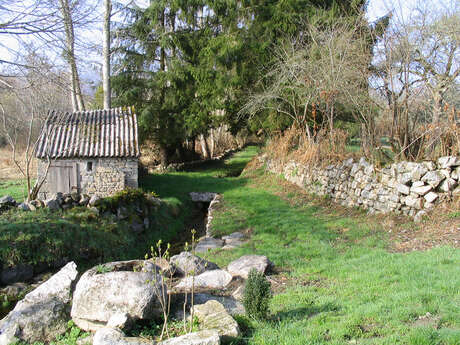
(336, 281)
(16, 188)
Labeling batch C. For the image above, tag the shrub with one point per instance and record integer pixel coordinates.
(257, 295)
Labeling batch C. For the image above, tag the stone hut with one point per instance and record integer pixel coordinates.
(92, 152)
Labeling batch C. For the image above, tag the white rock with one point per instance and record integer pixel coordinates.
(414, 202)
(448, 161)
(186, 263)
(43, 313)
(212, 315)
(99, 295)
(206, 337)
(118, 320)
(421, 190)
(216, 279)
(431, 197)
(448, 185)
(111, 336)
(244, 264)
(433, 178)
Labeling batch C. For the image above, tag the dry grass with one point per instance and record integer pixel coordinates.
(8, 170)
(326, 148)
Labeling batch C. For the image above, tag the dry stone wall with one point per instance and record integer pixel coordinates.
(404, 188)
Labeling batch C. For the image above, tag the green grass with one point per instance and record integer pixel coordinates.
(16, 188)
(79, 234)
(340, 287)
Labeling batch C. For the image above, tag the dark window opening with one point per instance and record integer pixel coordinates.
(89, 166)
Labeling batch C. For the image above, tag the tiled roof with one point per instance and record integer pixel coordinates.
(96, 133)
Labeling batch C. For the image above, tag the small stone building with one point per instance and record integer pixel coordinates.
(91, 152)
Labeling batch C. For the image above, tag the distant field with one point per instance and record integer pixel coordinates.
(16, 188)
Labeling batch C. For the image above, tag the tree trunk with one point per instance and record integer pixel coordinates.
(211, 136)
(204, 147)
(106, 55)
(77, 99)
(164, 157)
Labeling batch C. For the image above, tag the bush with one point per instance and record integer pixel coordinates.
(257, 295)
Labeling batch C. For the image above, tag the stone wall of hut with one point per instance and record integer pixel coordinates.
(96, 176)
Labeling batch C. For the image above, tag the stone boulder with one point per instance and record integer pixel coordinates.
(244, 264)
(433, 178)
(43, 313)
(117, 287)
(216, 279)
(208, 243)
(231, 305)
(233, 240)
(212, 315)
(52, 204)
(202, 196)
(111, 336)
(186, 263)
(205, 337)
(7, 200)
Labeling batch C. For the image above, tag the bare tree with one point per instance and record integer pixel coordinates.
(24, 103)
(417, 65)
(106, 54)
(77, 98)
(315, 73)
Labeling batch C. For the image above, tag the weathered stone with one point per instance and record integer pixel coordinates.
(202, 196)
(7, 200)
(419, 216)
(43, 313)
(414, 202)
(433, 178)
(455, 174)
(244, 264)
(238, 293)
(233, 236)
(448, 185)
(212, 315)
(208, 243)
(456, 191)
(417, 173)
(95, 200)
(231, 305)
(187, 263)
(52, 204)
(405, 178)
(431, 197)
(448, 161)
(130, 287)
(421, 190)
(418, 184)
(403, 189)
(216, 279)
(111, 336)
(18, 273)
(205, 337)
(119, 320)
(24, 206)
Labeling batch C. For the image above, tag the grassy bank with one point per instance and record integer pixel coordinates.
(336, 279)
